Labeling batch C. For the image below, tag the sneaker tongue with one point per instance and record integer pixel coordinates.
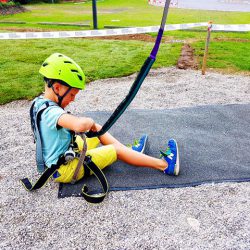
(168, 151)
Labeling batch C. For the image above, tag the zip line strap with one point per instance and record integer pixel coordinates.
(124, 104)
(161, 30)
(165, 14)
(138, 81)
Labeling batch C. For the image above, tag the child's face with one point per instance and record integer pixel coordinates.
(70, 97)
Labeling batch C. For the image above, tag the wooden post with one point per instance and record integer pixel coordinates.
(204, 63)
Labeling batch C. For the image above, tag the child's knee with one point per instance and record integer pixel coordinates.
(119, 148)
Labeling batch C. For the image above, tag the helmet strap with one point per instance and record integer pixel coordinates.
(60, 98)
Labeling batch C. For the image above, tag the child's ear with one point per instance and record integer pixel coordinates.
(56, 86)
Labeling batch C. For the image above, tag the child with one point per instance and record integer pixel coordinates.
(63, 80)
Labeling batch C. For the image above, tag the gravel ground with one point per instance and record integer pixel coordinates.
(203, 217)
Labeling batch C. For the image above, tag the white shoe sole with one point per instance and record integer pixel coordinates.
(177, 164)
(145, 144)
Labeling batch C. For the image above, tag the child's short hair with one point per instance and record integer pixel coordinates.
(50, 82)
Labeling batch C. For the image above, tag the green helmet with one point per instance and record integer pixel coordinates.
(60, 67)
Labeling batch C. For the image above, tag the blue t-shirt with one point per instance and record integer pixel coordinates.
(55, 139)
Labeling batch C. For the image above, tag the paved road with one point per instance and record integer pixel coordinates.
(224, 5)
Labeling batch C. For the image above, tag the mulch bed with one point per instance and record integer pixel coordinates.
(187, 59)
(138, 37)
(10, 10)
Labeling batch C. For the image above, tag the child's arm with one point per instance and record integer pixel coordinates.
(77, 124)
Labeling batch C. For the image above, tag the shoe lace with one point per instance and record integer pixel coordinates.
(166, 153)
(136, 143)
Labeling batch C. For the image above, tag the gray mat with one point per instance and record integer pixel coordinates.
(214, 144)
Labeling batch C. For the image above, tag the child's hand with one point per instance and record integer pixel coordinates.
(96, 127)
(93, 128)
(89, 123)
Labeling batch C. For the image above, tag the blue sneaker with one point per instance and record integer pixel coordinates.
(140, 145)
(171, 156)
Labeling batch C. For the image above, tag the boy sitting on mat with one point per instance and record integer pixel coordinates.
(64, 78)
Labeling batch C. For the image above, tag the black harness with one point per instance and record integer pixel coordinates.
(88, 164)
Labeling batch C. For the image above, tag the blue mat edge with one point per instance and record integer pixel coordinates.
(193, 184)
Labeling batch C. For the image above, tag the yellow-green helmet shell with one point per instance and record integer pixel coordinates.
(60, 67)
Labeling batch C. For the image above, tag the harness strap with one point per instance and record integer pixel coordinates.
(81, 159)
(44, 177)
(39, 154)
(95, 198)
(35, 117)
(32, 121)
(88, 166)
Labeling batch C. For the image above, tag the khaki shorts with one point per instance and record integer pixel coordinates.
(102, 157)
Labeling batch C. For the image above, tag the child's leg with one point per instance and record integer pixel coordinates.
(137, 159)
(130, 156)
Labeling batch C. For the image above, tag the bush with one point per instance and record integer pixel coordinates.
(35, 1)
(50, 1)
(22, 1)
(7, 4)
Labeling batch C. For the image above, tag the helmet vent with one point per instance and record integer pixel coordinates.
(60, 55)
(45, 64)
(67, 62)
(74, 70)
(80, 77)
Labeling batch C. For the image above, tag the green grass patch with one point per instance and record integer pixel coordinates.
(118, 12)
(201, 34)
(226, 55)
(20, 61)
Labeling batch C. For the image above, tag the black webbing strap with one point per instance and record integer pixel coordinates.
(44, 177)
(88, 167)
(94, 198)
(81, 158)
(41, 167)
(126, 101)
(138, 81)
(35, 118)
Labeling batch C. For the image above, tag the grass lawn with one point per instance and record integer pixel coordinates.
(21, 59)
(115, 12)
(227, 55)
(19, 78)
